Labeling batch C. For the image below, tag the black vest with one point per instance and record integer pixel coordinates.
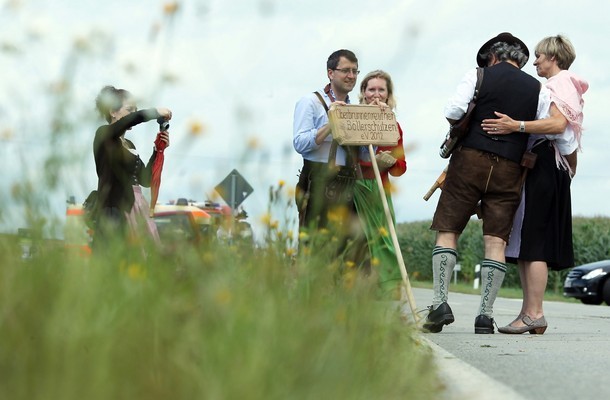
(508, 90)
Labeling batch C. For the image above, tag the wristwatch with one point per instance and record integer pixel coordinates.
(522, 126)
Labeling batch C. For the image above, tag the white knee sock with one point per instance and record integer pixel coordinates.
(443, 262)
(492, 275)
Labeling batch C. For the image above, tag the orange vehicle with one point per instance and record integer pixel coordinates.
(77, 236)
(175, 223)
(182, 223)
(215, 210)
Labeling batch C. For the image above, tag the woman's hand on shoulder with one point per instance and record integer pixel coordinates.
(165, 113)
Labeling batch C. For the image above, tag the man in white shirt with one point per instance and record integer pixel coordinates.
(484, 169)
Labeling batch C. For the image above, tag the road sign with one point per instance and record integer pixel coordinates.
(234, 189)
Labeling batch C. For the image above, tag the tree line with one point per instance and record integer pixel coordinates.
(591, 237)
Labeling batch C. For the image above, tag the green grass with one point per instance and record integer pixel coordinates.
(223, 323)
(508, 292)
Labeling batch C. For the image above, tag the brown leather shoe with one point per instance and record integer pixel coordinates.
(533, 326)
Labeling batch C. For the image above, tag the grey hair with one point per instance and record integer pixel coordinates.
(505, 52)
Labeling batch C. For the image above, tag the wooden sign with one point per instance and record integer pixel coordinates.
(355, 125)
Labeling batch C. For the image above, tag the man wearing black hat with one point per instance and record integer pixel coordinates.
(485, 170)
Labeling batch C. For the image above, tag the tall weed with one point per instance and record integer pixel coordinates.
(218, 322)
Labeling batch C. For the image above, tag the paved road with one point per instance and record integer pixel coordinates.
(570, 361)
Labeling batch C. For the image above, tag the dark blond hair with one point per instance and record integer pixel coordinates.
(391, 102)
(110, 99)
(558, 47)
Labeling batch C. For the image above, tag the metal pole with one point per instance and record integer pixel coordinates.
(233, 189)
(233, 206)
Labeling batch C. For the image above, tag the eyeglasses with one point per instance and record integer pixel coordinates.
(346, 71)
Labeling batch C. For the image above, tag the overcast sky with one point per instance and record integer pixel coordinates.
(231, 71)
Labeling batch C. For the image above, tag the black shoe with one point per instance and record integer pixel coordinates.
(439, 317)
(483, 324)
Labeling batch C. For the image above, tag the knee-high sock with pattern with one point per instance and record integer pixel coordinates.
(443, 262)
(492, 275)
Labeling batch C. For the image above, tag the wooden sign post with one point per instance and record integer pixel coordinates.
(356, 125)
(361, 125)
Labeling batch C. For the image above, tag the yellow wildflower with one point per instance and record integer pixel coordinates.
(170, 8)
(341, 315)
(383, 231)
(81, 43)
(195, 128)
(6, 134)
(136, 272)
(349, 279)
(208, 258)
(266, 219)
(253, 143)
(338, 214)
(223, 296)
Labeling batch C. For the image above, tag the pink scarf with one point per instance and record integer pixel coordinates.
(566, 92)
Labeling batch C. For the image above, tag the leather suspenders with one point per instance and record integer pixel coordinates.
(350, 151)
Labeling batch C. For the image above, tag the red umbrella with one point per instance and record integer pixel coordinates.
(157, 168)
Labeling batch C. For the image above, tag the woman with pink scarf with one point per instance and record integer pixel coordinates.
(542, 231)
